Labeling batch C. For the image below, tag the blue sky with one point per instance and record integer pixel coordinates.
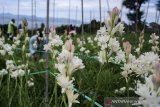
(62, 8)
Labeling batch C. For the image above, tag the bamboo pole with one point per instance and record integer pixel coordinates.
(82, 22)
(146, 15)
(18, 13)
(32, 16)
(56, 18)
(69, 15)
(121, 11)
(108, 5)
(94, 23)
(53, 12)
(104, 17)
(136, 22)
(35, 9)
(76, 14)
(100, 13)
(90, 26)
(156, 19)
(3, 15)
(46, 66)
(158, 16)
(93, 14)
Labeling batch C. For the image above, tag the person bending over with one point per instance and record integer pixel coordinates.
(36, 45)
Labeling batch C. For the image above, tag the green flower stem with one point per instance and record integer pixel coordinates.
(64, 100)
(8, 89)
(97, 86)
(56, 96)
(127, 89)
(1, 80)
(10, 99)
(54, 93)
(51, 98)
(20, 92)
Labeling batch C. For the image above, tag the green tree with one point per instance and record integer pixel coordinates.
(158, 15)
(158, 5)
(135, 14)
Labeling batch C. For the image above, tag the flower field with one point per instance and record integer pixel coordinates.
(82, 72)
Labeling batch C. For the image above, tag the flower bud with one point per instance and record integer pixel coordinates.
(127, 47)
(69, 46)
(115, 12)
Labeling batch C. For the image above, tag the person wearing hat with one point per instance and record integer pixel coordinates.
(12, 29)
(36, 44)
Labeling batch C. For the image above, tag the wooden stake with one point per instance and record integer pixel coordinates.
(53, 12)
(100, 13)
(32, 15)
(82, 22)
(69, 15)
(3, 15)
(76, 14)
(47, 73)
(108, 5)
(90, 26)
(35, 14)
(18, 14)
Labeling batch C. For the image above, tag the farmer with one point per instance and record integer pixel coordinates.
(36, 44)
(12, 29)
(43, 28)
(20, 30)
(72, 31)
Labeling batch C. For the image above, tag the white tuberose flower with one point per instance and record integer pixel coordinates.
(64, 82)
(149, 96)
(30, 83)
(114, 45)
(146, 90)
(3, 72)
(46, 47)
(61, 68)
(17, 73)
(118, 28)
(82, 49)
(102, 56)
(71, 97)
(120, 57)
(77, 63)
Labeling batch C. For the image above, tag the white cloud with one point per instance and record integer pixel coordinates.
(62, 8)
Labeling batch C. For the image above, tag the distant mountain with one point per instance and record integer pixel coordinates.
(6, 17)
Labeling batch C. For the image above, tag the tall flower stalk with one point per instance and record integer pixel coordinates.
(106, 37)
(67, 64)
(154, 41)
